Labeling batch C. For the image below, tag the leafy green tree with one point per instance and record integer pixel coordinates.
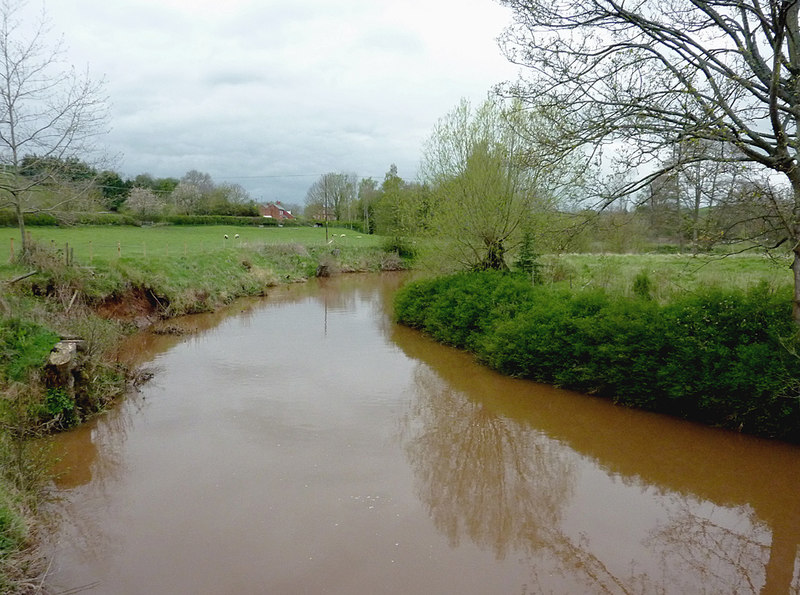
(113, 189)
(71, 169)
(230, 199)
(164, 186)
(528, 259)
(368, 195)
(398, 212)
(144, 180)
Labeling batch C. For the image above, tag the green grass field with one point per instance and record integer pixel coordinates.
(190, 268)
(105, 243)
(165, 247)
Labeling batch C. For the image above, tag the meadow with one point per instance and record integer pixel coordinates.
(669, 275)
(106, 243)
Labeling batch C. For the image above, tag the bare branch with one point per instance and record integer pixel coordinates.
(49, 113)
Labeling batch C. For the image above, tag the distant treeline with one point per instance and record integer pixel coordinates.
(723, 357)
(8, 219)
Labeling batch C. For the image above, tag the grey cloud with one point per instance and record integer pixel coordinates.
(269, 93)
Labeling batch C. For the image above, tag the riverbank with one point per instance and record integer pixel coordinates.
(724, 357)
(101, 298)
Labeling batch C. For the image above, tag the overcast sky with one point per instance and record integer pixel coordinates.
(272, 93)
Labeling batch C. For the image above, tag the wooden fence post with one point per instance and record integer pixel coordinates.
(12, 249)
(91, 252)
(66, 253)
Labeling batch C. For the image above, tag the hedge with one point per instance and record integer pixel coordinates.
(722, 357)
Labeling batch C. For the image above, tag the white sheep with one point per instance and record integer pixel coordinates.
(226, 236)
(236, 237)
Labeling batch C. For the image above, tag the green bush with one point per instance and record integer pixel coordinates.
(356, 226)
(23, 346)
(721, 357)
(401, 245)
(103, 219)
(58, 405)
(9, 219)
(643, 285)
(458, 310)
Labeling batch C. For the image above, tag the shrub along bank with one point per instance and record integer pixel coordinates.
(723, 357)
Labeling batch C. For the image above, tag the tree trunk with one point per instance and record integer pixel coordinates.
(21, 225)
(679, 220)
(796, 296)
(696, 215)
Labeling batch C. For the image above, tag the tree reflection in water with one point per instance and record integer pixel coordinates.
(497, 482)
(507, 486)
(729, 548)
(481, 476)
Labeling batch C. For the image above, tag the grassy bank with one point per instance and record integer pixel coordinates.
(109, 282)
(725, 357)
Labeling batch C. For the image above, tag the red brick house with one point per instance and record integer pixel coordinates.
(275, 210)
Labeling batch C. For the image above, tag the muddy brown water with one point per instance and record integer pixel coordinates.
(305, 444)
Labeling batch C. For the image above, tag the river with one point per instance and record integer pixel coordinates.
(303, 443)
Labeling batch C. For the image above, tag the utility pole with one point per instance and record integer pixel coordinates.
(325, 202)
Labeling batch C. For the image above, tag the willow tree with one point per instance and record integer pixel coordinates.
(49, 112)
(639, 77)
(486, 184)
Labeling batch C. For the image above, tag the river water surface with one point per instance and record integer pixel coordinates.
(305, 444)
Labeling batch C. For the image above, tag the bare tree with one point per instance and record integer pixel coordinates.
(331, 196)
(641, 76)
(200, 180)
(186, 197)
(48, 110)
